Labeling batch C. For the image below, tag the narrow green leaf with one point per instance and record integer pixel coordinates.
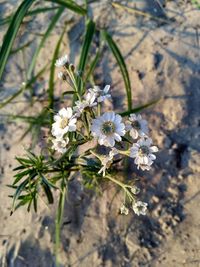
(93, 66)
(19, 168)
(5, 20)
(140, 108)
(29, 13)
(52, 73)
(48, 193)
(70, 5)
(119, 58)
(12, 32)
(68, 93)
(46, 35)
(23, 201)
(47, 182)
(40, 10)
(18, 191)
(90, 29)
(23, 87)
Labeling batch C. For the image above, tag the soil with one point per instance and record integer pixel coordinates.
(163, 59)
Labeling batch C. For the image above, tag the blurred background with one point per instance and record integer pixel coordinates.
(160, 43)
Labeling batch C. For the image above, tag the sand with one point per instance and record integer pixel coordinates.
(163, 60)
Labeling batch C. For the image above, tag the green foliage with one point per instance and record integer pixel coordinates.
(196, 3)
(90, 29)
(118, 56)
(28, 84)
(12, 32)
(52, 72)
(27, 181)
(70, 5)
(140, 108)
(44, 38)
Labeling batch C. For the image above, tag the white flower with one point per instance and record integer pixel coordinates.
(107, 160)
(142, 151)
(108, 128)
(124, 210)
(139, 207)
(137, 126)
(60, 62)
(64, 122)
(88, 101)
(60, 144)
(102, 95)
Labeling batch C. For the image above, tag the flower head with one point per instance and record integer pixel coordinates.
(107, 160)
(139, 207)
(88, 101)
(102, 95)
(60, 62)
(142, 151)
(108, 128)
(64, 122)
(137, 126)
(124, 210)
(60, 144)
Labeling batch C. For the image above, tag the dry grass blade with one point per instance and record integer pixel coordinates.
(139, 12)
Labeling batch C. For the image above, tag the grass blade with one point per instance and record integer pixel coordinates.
(12, 32)
(46, 35)
(70, 5)
(85, 48)
(93, 65)
(139, 12)
(21, 90)
(140, 108)
(5, 20)
(118, 56)
(29, 13)
(41, 10)
(52, 73)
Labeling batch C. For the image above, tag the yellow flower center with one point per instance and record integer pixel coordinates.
(64, 123)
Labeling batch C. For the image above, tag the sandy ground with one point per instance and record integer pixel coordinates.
(163, 61)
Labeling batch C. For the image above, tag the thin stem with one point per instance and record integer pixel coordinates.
(121, 185)
(58, 221)
(71, 75)
(98, 109)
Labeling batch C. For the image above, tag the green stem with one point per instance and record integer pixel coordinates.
(98, 109)
(71, 75)
(58, 221)
(124, 186)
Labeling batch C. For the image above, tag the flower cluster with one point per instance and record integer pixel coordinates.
(109, 129)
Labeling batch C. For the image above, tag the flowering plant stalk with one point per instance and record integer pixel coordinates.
(84, 124)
